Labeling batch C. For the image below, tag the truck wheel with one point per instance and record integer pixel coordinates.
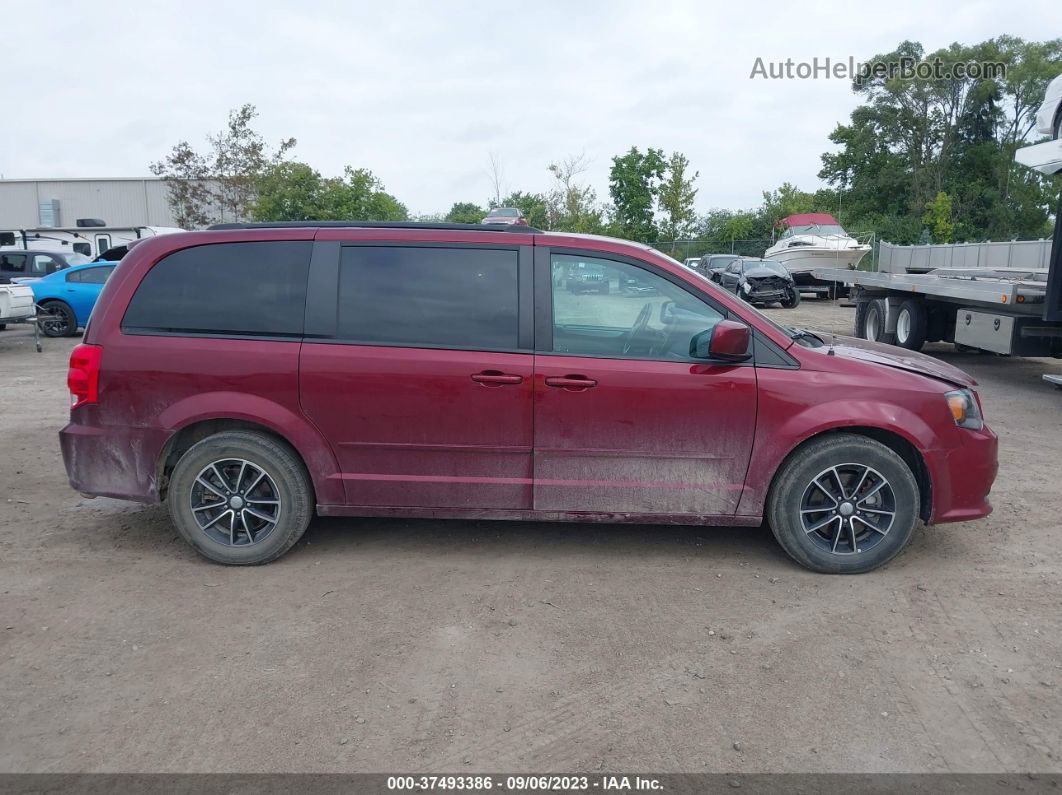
(56, 319)
(873, 322)
(844, 504)
(912, 322)
(240, 498)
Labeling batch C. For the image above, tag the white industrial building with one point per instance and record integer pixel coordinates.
(120, 202)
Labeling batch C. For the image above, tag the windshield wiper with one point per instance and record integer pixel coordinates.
(804, 334)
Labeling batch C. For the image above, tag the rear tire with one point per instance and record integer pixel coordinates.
(912, 324)
(58, 320)
(861, 478)
(214, 485)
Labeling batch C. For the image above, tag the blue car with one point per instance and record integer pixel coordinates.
(65, 298)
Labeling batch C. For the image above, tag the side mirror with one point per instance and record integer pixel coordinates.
(727, 341)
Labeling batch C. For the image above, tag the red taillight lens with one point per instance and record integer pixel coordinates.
(83, 378)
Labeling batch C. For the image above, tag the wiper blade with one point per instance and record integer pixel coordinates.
(803, 333)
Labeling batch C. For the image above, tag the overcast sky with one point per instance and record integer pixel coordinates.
(421, 93)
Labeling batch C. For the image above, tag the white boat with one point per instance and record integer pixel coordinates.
(815, 240)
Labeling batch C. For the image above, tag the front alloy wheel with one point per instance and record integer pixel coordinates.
(843, 503)
(848, 509)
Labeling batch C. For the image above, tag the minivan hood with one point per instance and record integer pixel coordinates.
(900, 358)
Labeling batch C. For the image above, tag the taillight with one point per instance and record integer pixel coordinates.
(83, 377)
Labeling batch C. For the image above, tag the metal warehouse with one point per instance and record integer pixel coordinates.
(31, 203)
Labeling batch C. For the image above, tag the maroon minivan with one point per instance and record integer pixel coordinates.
(253, 375)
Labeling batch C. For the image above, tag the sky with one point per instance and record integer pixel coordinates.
(423, 94)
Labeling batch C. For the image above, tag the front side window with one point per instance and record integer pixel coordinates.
(13, 262)
(41, 263)
(463, 298)
(615, 309)
(254, 289)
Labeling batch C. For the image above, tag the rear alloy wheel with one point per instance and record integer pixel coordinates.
(911, 324)
(240, 498)
(56, 319)
(845, 504)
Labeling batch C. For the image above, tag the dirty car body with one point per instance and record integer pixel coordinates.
(451, 371)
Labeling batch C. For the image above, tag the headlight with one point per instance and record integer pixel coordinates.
(965, 409)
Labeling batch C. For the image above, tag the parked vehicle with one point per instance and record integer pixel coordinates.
(691, 262)
(712, 266)
(65, 299)
(251, 376)
(505, 215)
(90, 238)
(23, 266)
(587, 277)
(16, 304)
(760, 281)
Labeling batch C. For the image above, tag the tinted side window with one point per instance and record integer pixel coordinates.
(226, 288)
(459, 297)
(13, 262)
(90, 275)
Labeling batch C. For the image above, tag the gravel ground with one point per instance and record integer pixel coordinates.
(398, 645)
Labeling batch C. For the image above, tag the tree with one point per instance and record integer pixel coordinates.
(571, 206)
(465, 213)
(914, 138)
(222, 184)
(532, 205)
(496, 173)
(938, 218)
(676, 197)
(296, 192)
(634, 182)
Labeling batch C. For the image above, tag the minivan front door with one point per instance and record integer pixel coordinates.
(625, 420)
(423, 390)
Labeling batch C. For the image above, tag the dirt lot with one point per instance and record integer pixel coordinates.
(395, 645)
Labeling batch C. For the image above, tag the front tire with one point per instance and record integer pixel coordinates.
(873, 322)
(844, 504)
(240, 498)
(792, 298)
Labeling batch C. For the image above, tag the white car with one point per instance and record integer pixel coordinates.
(1049, 117)
(691, 261)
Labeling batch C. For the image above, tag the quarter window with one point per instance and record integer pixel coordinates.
(256, 289)
(429, 296)
(614, 309)
(90, 275)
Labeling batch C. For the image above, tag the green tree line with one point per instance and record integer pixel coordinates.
(918, 160)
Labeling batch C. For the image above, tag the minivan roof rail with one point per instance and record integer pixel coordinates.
(380, 225)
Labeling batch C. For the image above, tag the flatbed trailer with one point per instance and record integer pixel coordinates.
(1004, 311)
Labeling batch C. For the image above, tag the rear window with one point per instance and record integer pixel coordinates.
(435, 297)
(225, 288)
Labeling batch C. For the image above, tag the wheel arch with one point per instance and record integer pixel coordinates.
(896, 442)
(184, 437)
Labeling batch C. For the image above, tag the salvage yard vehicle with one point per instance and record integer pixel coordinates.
(65, 299)
(16, 304)
(25, 266)
(760, 281)
(712, 266)
(252, 375)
